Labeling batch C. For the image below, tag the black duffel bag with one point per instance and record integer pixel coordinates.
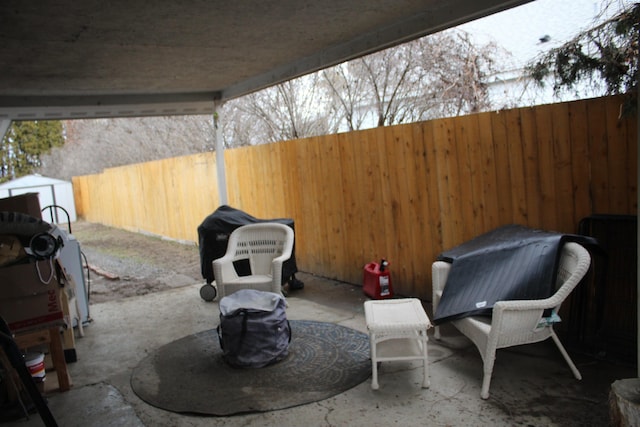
(254, 331)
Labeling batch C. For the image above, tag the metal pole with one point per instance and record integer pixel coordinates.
(4, 127)
(222, 177)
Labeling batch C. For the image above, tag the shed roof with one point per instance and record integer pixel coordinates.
(34, 180)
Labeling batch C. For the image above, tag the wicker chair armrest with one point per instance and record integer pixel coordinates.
(282, 258)
(520, 305)
(439, 273)
(526, 313)
(223, 269)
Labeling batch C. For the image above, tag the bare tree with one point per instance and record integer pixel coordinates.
(347, 93)
(453, 72)
(239, 128)
(95, 144)
(390, 75)
(442, 74)
(290, 110)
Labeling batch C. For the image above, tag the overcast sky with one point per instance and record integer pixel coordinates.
(519, 30)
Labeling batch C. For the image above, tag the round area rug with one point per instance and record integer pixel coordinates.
(190, 376)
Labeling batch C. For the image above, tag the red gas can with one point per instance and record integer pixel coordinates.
(376, 283)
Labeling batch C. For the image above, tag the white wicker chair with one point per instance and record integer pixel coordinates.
(265, 246)
(516, 322)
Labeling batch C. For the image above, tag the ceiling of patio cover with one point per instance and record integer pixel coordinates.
(91, 58)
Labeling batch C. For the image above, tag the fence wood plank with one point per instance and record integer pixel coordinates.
(514, 147)
(345, 198)
(429, 215)
(333, 194)
(448, 183)
(546, 168)
(598, 148)
(403, 192)
(531, 170)
(423, 224)
(350, 209)
(468, 187)
(488, 173)
(503, 175)
(618, 165)
(372, 187)
(289, 186)
(563, 165)
(579, 161)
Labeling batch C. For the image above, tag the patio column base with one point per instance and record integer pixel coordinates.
(624, 402)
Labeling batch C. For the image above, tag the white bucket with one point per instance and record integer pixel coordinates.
(35, 364)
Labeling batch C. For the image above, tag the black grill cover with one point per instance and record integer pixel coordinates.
(213, 236)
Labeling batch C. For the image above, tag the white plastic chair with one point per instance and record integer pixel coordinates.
(265, 246)
(516, 322)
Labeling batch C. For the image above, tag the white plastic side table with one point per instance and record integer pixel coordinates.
(397, 331)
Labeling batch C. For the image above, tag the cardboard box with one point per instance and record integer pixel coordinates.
(30, 296)
(28, 203)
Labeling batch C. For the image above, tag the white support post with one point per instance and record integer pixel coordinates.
(638, 231)
(220, 168)
(4, 127)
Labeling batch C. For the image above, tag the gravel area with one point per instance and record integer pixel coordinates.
(123, 263)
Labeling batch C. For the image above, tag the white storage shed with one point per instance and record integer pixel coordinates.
(50, 191)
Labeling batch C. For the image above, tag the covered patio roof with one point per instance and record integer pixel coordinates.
(88, 59)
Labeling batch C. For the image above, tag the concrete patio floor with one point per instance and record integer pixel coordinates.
(531, 385)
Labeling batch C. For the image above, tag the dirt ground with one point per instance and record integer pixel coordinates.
(123, 263)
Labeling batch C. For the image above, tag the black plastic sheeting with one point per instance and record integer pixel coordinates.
(512, 262)
(213, 237)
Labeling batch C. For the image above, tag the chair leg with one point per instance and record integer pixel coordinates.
(488, 362)
(436, 332)
(576, 372)
(374, 362)
(425, 360)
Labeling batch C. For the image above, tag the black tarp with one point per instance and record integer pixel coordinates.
(509, 263)
(213, 236)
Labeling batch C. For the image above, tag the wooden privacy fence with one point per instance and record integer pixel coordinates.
(404, 192)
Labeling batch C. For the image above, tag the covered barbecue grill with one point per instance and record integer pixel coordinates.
(213, 236)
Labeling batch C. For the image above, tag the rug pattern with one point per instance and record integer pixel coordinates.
(190, 376)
